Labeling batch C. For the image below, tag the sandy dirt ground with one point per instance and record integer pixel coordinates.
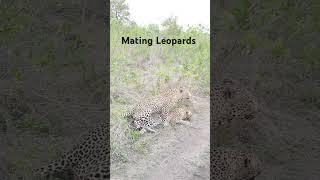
(180, 153)
(288, 144)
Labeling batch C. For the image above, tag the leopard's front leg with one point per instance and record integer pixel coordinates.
(145, 122)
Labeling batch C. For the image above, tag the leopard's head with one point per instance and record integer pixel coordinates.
(179, 93)
(183, 93)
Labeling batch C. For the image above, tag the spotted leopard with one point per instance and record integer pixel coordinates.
(234, 164)
(231, 105)
(87, 160)
(139, 116)
(178, 116)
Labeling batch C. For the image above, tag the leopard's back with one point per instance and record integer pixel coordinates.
(88, 154)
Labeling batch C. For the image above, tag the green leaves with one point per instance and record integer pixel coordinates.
(33, 124)
(279, 50)
(119, 10)
(65, 28)
(171, 28)
(16, 73)
(241, 13)
(135, 135)
(250, 40)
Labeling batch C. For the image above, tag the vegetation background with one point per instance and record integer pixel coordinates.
(277, 41)
(272, 48)
(52, 79)
(139, 71)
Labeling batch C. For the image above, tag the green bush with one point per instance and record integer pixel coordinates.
(186, 60)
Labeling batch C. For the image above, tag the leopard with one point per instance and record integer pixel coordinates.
(141, 114)
(87, 160)
(176, 116)
(234, 164)
(231, 105)
(179, 116)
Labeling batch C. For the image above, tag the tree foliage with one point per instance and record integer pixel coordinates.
(171, 26)
(119, 10)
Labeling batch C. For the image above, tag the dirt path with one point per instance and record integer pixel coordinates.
(182, 153)
(288, 145)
